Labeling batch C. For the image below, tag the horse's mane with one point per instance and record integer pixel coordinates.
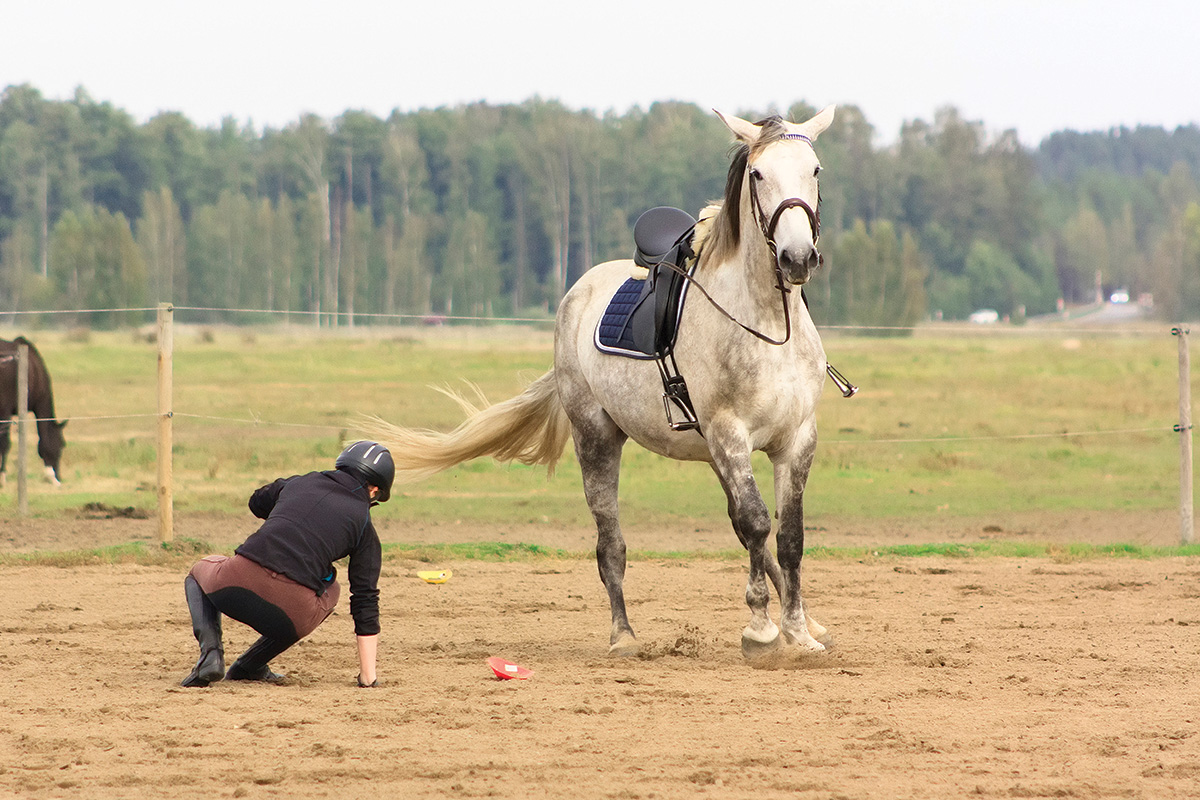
(725, 234)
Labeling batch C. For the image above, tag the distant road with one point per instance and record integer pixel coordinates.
(1113, 314)
(1107, 314)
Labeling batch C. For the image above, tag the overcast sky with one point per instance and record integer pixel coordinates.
(1033, 65)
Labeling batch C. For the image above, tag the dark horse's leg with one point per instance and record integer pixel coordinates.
(752, 523)
(5, 443)
(598, 443)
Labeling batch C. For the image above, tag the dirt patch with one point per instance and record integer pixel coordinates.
(950, 678)
(105, 511)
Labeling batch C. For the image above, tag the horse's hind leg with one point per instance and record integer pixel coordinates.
(598, 444)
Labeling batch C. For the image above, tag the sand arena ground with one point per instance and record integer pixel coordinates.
(975, 677)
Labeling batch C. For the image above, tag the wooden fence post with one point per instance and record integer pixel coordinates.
(1187, 524)
(22, 429)
(166, 346)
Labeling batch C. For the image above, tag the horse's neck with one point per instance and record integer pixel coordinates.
(745, 283)
(44, 410)
(745, 277)
(41, 402)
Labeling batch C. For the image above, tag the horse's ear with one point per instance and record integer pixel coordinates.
(818, 124)
(746, 132)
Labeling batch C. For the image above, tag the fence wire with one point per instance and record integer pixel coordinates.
(979, 330)
(1034, 329)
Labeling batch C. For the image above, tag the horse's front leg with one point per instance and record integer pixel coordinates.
(791, 475)
(598, 444)
(5, 443)
(752, 523)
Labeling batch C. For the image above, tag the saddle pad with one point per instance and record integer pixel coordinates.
(613, 333)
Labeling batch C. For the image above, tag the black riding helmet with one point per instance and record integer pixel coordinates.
(372, 462)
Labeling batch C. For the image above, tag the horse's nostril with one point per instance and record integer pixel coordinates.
(796, 269)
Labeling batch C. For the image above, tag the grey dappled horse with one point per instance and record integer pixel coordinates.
(754, 367)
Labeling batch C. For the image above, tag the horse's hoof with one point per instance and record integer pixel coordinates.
(753, 649)
(804, 642)
(626, 646)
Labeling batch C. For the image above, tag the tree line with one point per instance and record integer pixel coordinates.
(494, 210)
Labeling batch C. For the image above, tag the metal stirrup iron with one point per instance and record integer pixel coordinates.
(847, 388)
(675, 393)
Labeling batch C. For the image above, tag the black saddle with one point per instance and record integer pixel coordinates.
(642, 320)
(657, 232)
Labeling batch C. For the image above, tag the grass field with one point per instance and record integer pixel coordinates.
(931, 432)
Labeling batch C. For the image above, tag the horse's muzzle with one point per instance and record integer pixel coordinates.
(798, 265)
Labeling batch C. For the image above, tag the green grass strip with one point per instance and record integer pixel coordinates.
(1003, 549)
(144, 553)
(473, 551)
(184, 551)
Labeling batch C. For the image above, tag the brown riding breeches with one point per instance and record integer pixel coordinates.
(271, 603)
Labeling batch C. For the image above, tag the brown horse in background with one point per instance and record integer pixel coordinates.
(41, 403)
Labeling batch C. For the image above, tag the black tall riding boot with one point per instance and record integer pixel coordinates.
(252, 665)
(206, 625)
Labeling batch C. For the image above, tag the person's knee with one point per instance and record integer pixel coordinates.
(248, 608)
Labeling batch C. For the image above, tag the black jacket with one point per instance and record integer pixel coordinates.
(311, 521)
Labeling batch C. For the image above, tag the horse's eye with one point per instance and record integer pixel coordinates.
(817, 171)
(755, 174)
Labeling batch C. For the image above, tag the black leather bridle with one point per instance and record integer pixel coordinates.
(767, 226)
(768, 232)
(674, 386)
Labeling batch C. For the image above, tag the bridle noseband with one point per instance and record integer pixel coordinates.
(814, 218)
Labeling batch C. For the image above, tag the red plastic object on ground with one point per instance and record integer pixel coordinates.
(508, 670)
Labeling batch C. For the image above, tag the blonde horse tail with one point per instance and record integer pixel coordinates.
(531, 428)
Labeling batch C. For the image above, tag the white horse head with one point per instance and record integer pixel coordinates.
(776, 169)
